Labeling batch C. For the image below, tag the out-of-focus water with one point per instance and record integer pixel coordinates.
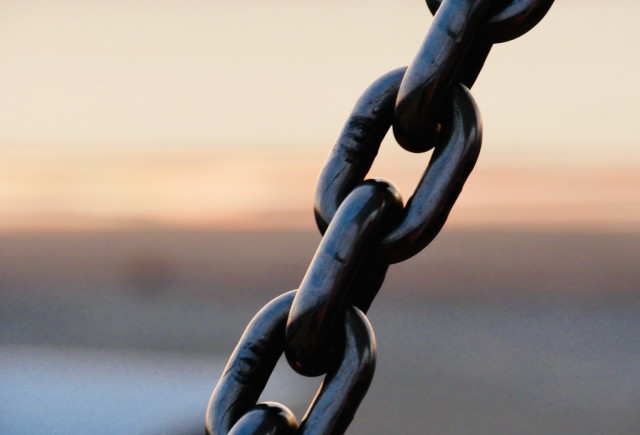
(451, 369)
(65, 391)
(486, 369)
(483, 333)
(46, 390)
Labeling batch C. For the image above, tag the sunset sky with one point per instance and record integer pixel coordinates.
(220, 114)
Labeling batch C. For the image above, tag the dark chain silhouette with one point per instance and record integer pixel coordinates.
(322, 327)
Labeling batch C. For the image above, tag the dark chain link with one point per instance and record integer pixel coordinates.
(321, 327)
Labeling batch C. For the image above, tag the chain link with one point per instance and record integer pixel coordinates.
(322, 327)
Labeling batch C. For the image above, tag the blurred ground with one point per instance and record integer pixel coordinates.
(483, 332)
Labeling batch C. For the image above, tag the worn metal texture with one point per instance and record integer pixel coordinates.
(457, 150)
(232, 408)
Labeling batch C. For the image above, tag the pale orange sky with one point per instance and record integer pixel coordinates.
(212, 113)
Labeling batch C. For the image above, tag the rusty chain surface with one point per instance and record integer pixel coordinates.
(322, 327)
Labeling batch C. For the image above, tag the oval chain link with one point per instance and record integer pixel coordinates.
(451, 163)
(326, 287)
(348, 377)
(454, 49)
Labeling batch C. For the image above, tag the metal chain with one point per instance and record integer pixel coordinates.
(321, 327)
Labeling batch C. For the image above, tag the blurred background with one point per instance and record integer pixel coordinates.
(156, 187)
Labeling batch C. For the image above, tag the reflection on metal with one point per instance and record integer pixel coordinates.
(322, 327)
(232, 407)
